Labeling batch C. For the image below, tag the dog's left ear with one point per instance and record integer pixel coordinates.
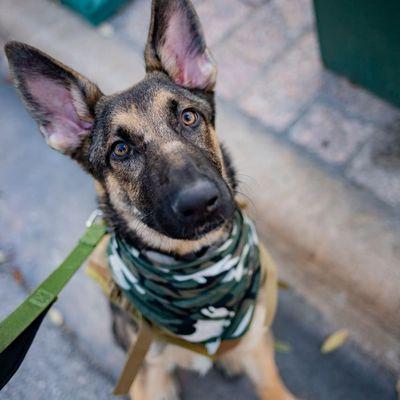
(176, 45)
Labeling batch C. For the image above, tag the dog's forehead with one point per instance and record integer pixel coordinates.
(149, 103)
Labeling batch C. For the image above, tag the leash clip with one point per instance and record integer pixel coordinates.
(93, 217)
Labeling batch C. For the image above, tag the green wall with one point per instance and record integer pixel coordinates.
(361, 40)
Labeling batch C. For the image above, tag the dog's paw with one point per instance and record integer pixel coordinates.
(277, 394)
(229, 370)
(172, 391)
(163, 389)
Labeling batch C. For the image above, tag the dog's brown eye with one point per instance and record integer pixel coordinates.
(121, 149)
(189, 117)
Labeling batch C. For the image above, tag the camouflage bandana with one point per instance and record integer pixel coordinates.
(205, 301)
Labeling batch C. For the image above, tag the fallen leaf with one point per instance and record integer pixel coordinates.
(282, 347)
(56, 317)
(334, 341)
(17, 275)
(283, 285)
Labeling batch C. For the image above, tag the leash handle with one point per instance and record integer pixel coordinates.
(19, 328)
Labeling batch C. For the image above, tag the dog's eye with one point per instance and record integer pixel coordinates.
(189, 117)
(121, 149)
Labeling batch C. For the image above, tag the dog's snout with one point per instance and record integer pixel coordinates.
(196, 201)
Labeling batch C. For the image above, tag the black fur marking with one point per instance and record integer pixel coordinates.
(230, 169)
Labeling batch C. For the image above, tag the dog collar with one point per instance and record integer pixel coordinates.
(205, 301)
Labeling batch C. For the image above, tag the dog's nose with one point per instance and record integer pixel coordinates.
(197, 200)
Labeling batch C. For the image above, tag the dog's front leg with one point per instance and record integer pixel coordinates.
(154, 382)
(256, 359)
(261, 368)
(255, 356)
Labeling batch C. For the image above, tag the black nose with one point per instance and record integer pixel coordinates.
(197, 200)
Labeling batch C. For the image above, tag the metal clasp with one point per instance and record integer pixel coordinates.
(93, 216)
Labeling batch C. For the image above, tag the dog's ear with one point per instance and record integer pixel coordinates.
(176, 45)
(60, 100)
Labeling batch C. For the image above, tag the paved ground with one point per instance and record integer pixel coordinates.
(269, 68)
(44, 200)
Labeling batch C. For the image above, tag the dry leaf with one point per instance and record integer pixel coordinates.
(334, 341)
(282, 347)
(17, 275)
(56, 317)
(283, 285)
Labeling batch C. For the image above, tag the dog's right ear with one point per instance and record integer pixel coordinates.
(60, 100)
(176, 45)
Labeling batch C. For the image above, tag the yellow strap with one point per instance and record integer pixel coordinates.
(136, 355)
(271, 284)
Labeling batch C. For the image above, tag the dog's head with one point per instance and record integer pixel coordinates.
(152, 149)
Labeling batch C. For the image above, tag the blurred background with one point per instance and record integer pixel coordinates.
(308, 96)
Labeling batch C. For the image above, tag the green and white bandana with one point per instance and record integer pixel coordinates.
(205, 301)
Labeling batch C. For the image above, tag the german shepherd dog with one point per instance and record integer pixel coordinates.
(163, 180)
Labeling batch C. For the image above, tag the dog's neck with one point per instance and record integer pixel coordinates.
(143, 237)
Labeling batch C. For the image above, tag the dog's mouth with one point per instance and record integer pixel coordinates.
(199, 231)
(193, 229)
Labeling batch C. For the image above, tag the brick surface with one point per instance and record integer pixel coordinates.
(356, 101)
(239, 63)
(297, 15)
(235, 73)
(330, 134)
(254, 3)
(287, 86)
(377, 166)
(133, 22)
(218, 17)
(261, 37)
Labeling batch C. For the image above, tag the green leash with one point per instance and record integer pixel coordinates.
(18, 330)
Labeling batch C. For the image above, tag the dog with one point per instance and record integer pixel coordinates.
(163, 180)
